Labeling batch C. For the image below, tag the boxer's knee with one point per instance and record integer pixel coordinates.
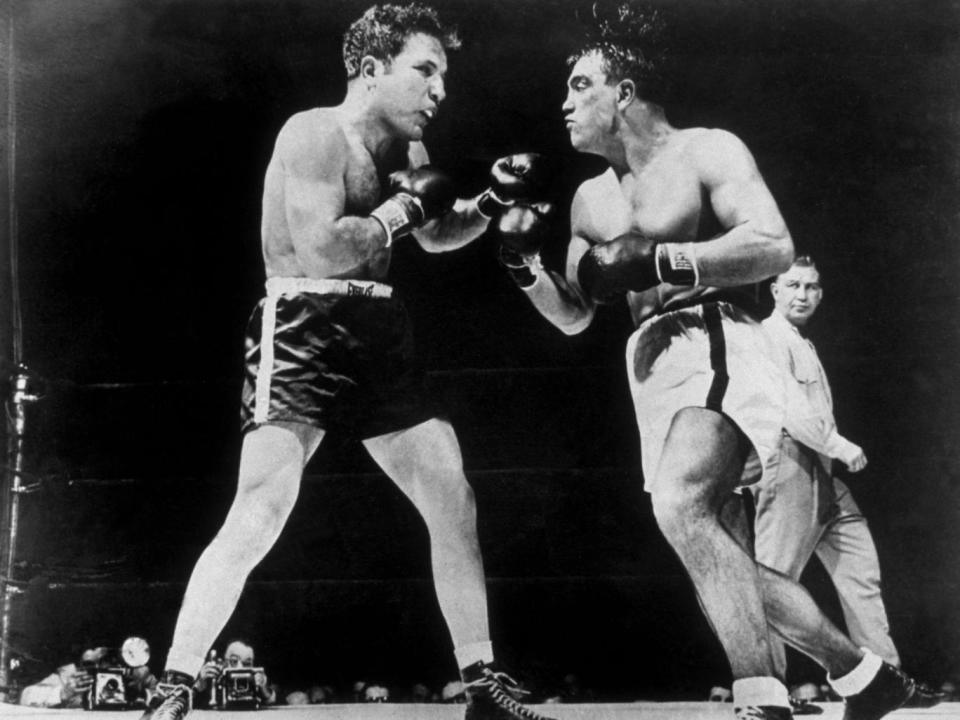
(680, 504)
(426, 463)
(686, 498)
(260, 509)
(447, 497)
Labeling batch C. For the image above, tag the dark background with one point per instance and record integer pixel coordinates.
(134, 147)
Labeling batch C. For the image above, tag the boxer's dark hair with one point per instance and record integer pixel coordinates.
(630, 39)
(383, 29)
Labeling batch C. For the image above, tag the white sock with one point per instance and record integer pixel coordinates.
(476, 652)
(756, 691)
(857, 679)
(185, 663)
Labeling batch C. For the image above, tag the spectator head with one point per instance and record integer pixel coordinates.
(828, 693)
(807, 691)
(720, 694)
(297, 697)
(320, 695)
(94, 656)
(453, 692)
(239, 654)
(420, 693)
(374, 693)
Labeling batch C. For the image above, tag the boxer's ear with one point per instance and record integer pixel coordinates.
(626, 92)
(370, 68)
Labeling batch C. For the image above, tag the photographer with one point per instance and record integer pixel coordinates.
(238, 655)
(68, 686)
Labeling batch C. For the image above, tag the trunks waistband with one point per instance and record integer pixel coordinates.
(738, 298)
(277, 286)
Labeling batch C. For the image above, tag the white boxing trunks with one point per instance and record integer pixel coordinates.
(716, 356)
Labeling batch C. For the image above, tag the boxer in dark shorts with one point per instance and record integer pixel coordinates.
(330, 347)
(337, 354)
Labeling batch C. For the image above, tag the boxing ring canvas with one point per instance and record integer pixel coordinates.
(593, 711)
(135, 137)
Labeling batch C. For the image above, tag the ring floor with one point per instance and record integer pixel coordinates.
(411, 711)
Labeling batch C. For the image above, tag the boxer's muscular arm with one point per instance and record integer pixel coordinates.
(457, 228)
(559, 299)
(313, 161)
(757, 243)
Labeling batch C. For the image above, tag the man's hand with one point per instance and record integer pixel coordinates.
(209, 673)
(418, 196)
(266, 692)
(76, 684)
(855, 459)
(520, 178)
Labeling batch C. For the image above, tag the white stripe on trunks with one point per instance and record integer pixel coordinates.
(268, 324)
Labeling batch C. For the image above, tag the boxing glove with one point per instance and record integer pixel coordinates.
(418, 196)
(634, 262)
(524, 230)
(514, 178)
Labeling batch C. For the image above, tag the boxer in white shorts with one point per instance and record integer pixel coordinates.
(679, 221)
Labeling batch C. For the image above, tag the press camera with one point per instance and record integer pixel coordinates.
(111, 689)
(236, 689)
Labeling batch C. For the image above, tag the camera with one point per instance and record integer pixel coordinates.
(111, 674)
(236, 689)
(108, 691)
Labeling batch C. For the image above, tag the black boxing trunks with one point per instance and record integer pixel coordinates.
(335, 354)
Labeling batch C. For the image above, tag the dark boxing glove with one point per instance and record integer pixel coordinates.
(515, 178)
(634, 262)
(524, 229)
(419, 195)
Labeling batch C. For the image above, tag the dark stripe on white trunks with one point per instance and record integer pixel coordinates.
(718, 357)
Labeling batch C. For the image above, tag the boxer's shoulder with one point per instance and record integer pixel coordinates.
(310, 131)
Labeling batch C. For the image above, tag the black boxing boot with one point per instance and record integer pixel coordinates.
(492, 695)
(172, 699)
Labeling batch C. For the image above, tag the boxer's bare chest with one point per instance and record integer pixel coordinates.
(365, 184)
(663, 200)
(365, 179)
